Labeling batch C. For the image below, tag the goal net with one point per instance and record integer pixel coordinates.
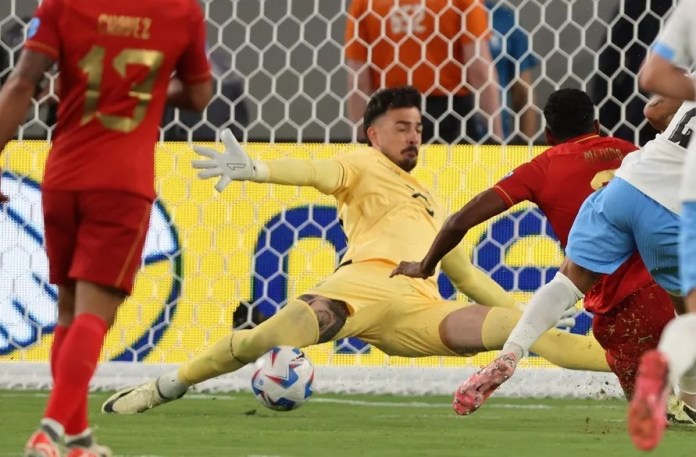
(216, 262)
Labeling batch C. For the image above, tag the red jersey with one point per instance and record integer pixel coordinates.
(115, 60)
(558, 181)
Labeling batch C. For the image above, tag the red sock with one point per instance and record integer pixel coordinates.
(78, 423)
(75, 365)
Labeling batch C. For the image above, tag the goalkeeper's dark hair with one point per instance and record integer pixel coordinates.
(569, 113)
(385, 99)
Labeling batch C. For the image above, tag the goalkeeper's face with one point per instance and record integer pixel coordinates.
(397, 134)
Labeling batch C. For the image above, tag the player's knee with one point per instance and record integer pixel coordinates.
(582, 278)
(461, 331)
(331, 315)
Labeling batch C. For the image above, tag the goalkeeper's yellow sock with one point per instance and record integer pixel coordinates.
(294, 325)
(567, 350)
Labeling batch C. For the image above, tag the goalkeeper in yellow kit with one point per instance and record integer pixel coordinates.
(387, 215)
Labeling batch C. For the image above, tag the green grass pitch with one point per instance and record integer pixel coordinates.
(353, 426)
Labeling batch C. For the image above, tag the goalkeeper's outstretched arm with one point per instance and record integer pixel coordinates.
(234, 164)
(323, 175)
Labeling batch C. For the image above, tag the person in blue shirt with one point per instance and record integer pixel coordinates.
(515, 63)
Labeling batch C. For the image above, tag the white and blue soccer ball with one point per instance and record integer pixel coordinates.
(282, 379)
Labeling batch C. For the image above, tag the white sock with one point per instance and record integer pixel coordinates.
(678, 344)
(170, 386)
(542, 313)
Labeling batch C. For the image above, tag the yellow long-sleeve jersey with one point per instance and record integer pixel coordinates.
(386, 214)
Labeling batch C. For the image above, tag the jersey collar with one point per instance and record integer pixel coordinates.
(581, 138)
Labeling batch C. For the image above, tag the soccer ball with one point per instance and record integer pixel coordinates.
(282, 380)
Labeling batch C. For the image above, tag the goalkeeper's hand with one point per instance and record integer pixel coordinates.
(231, 165)
(567, 319)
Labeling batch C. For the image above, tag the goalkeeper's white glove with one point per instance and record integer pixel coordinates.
(567, 319)
(234, 164)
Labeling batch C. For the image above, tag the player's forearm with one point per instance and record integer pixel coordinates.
(482, 76)
(323, 175)
(659, 76)
(490, 105)
(529, 123)
(193, 97)
(523, 103)
(489, 99)
(15, 100)
(481, 208)
(359, 89)
(356, 105)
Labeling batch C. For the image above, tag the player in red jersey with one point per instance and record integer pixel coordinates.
(115, 60)
(630, 308)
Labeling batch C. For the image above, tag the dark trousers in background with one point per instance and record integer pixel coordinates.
(448, 124)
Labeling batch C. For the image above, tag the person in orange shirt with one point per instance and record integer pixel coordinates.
(438, 46)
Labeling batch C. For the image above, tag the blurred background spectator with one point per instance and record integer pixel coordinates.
(290, 58)
(228, 108)
(423, 43)
(37, 123)
(511, 52)
(614, 86)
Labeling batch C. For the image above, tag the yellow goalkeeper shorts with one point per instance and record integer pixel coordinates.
(400, 316)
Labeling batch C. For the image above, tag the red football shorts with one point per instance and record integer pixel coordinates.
(632, 327)
(95, 235)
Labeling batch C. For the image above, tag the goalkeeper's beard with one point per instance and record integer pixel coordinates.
(409, 158)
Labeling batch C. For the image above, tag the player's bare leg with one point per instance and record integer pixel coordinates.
(476, 328)
(463, 332)
(305, 321)
(545, 309)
